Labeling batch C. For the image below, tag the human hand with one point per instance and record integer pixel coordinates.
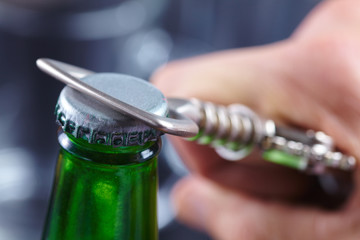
(311, 80)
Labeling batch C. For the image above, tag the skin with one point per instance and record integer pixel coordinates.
(310, 80)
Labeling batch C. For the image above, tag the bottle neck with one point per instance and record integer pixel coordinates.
(106, 154)
(101, 192)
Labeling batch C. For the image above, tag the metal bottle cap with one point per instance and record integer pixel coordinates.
(86, 118)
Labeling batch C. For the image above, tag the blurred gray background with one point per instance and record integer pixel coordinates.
(133, 37)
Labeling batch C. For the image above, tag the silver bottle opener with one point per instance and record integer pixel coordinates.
(234, 131)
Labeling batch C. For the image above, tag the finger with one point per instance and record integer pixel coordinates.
(257, 77)
(227, 216)
(225, 77)
(251, 175)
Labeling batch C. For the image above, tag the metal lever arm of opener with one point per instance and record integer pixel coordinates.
(234, 131)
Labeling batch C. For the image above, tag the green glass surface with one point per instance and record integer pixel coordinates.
(197, 136)
(101, 192)
(285, 159)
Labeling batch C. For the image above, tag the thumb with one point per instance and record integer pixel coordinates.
(198, 203)
(263, 78)
(235, 76)
(226, 215)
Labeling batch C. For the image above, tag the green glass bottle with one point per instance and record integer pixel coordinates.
(106, 177)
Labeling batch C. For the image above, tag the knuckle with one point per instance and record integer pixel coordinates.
(337, 49)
